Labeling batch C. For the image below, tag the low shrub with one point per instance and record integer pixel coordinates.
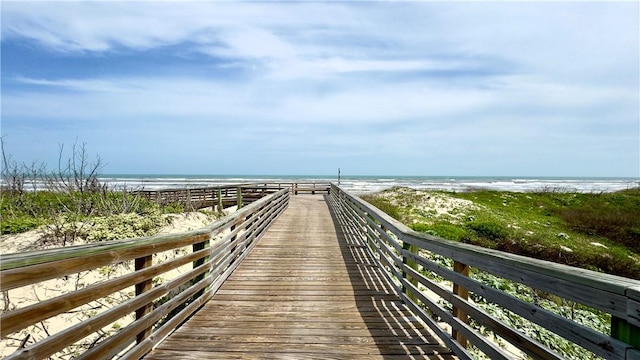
(596, 231)
(618, 225)
(15, 225)
(443, 230)
(123, 226)
(488, 230)
(384, 205)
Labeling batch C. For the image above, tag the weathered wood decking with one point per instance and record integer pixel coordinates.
(304, 292)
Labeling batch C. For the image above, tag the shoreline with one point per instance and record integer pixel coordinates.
(367, 184)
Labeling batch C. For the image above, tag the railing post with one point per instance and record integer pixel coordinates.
(463, 293)
(239, 196)
(197, 247)
(624, 331)
(220, 206)
(248, 226)
(140, 264)
(412, 264)
(233, 249)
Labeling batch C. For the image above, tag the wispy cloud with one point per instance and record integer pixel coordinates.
(348, 80)
(81, 85)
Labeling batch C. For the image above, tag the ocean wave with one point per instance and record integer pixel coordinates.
(363, 184)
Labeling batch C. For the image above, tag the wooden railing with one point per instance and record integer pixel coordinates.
(310, 188)
(210, 255)
(229, 195)
(432, 276)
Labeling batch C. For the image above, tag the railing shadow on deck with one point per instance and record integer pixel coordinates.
(418, 266)
(394, 329)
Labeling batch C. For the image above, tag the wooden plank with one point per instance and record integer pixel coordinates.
(198, 355)
(302, 292)
(633, 354)
(15, 320)
(87, 257)
(633, 306)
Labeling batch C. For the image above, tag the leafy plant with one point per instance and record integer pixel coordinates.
(122, 226)
(384, 205)
(13, 225)
(489, 230)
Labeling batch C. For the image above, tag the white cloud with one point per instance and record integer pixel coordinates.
(403, 76)
(84, 85)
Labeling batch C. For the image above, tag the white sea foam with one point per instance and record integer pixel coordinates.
(360, 184)
(363, 184)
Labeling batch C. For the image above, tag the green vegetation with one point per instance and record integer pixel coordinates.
(597, 231)
(583, 315)
(22, 212)
(114, 215)
(73, 204)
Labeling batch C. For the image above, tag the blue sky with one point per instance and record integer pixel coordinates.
(375, 88)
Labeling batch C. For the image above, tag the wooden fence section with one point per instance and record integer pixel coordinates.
(229, 195)
(310, 188)
(214, 252)
(306, 291)
(432, 276)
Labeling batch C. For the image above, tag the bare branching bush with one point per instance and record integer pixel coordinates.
(68, 201)
(77, 192)
(14, 178)
(78, 177)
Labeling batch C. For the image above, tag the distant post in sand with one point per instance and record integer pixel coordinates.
(338, 176)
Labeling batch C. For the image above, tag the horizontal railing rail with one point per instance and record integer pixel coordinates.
(435, 278)
(311, 187)
(228, 195)
(209, 254)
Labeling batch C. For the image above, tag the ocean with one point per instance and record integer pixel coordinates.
(364, 184)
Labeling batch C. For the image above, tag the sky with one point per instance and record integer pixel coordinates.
(501, 88)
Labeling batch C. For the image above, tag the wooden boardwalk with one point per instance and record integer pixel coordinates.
(304, 292)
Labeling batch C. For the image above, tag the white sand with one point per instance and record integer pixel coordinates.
(426, 202)
(21, 297)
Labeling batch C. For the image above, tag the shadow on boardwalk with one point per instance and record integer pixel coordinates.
(306, 291)
(393, 328)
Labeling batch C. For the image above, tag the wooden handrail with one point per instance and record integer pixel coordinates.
(229, 195)
(214, 251)
(398, 249)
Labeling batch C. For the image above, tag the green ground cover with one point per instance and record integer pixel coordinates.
(594, 231)
(64, 217)
(597, 231)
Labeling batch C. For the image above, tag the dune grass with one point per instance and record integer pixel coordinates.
(597, 231)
